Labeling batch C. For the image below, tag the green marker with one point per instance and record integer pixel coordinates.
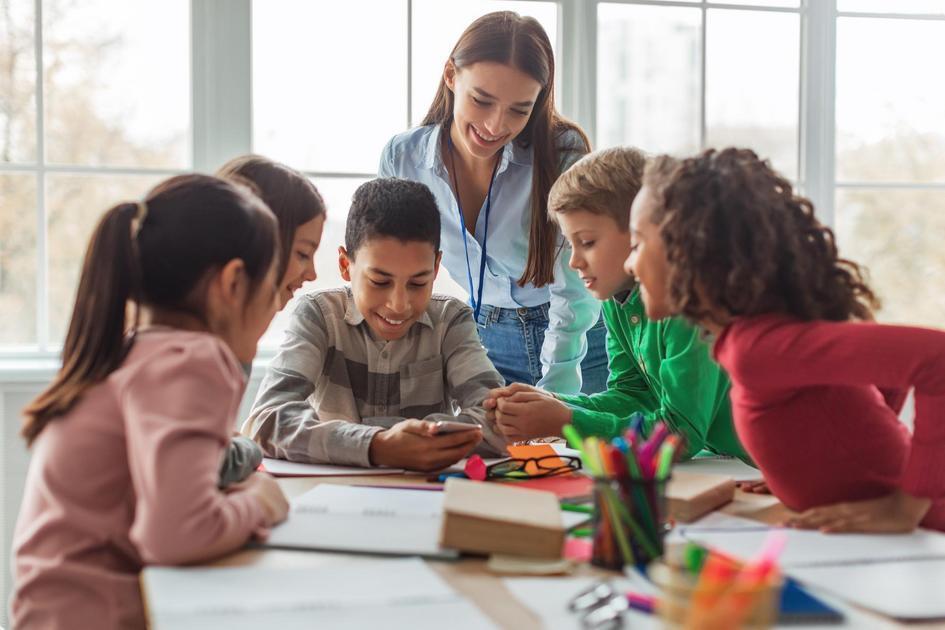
(583, 509)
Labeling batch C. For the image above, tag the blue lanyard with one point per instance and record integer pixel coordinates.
(475, 303)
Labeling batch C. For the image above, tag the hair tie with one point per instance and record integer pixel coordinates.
(137, 222)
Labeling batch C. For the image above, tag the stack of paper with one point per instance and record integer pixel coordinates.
(380, 593)
(366, 520)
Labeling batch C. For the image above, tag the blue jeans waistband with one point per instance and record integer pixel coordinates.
(489, 313)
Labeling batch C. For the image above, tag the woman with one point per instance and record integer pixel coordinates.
(490, 147)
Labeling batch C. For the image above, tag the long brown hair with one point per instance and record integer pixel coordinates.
(520, 42)
(155, 253)
(739, 238)
(289, 194)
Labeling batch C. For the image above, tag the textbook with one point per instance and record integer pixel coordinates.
(498, 518)
(692, 495)
(364, 520)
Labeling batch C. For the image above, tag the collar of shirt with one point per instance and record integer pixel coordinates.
(354, 317)
(628, 298)
(429, 157)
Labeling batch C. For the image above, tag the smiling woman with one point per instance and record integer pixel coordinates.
(489, 148)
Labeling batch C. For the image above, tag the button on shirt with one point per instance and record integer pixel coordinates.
(417, 155)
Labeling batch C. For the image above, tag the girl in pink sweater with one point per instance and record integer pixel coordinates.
(127, 441)
(722, 239)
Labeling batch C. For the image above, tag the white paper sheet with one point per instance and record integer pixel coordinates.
(379, 593)
(742, 538)
(283, 468)
(364, 520)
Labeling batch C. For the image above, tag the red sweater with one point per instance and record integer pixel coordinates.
(816, 406)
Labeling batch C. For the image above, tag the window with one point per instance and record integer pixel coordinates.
(99, 100)
(675, 78)
(890, 153)
(96, 109)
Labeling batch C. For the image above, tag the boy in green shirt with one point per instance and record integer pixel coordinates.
(662, 369)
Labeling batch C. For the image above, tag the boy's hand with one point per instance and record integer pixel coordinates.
(411, 444)
(526, 415)
(490, 404)
(895, 513)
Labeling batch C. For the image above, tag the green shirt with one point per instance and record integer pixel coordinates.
(662, 369)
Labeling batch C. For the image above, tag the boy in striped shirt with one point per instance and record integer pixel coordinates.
(365, 371)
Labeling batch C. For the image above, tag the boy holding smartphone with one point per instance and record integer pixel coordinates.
(365, 372)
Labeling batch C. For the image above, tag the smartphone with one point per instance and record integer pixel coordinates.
(448, 426)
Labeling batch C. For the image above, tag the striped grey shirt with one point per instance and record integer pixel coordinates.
(332, 385)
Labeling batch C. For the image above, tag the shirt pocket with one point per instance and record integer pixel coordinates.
(422, 387)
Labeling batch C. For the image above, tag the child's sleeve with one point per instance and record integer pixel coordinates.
(469, 376)
(606, 414)
(178, 409)
(282, 420)
(858, 353)
(241, 459)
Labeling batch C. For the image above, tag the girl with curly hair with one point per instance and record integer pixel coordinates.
(723, 239)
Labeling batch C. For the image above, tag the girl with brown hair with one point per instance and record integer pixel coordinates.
(127, 440)
(300, 212)
(489, 149)
(299, 209)
(817, 386)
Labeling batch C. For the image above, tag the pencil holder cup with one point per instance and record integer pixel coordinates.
(686, 603)
(629, 521)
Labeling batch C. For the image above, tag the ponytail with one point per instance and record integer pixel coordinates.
(95, 343)
(153, 253)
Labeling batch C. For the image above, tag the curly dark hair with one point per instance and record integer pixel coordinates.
(738, 238)
(392, 207)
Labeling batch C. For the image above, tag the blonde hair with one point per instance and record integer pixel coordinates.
(602, 182)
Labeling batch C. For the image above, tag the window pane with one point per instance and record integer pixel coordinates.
(890, 106)
(17, 82)
(752, 78)
(17, 259)
(74, 204)
(117, 83)
(337, 193)
(897, 234)
(899, 6)
(329, 84)
(648, 77)
(437, 26)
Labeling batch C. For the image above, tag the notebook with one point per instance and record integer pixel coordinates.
(283, 468)
(720, 465)
(800, 607)
(333, 595)
(364, 520)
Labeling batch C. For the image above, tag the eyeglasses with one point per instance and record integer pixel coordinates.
(544, 466)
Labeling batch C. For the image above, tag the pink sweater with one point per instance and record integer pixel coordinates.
(815, 404)
(128, 478)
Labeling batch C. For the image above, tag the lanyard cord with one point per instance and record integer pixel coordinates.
(474, 302)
